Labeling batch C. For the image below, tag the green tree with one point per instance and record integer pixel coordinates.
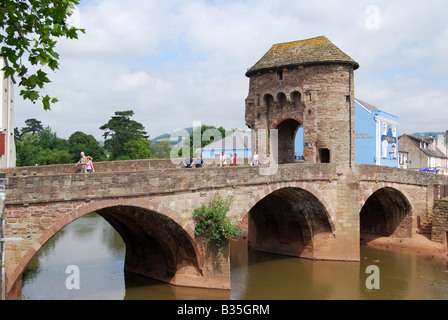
(204, 135)
(33, 126)
(79, 141)
(26, 150)
(29, 30)
(55, 156)
(160, 150)
(41, 148)
(137, 149)
(121, 130)
(49, 140)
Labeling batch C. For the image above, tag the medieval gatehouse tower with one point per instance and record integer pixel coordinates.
(309, 84)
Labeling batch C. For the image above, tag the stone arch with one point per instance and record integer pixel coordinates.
(288, 220)
(282, 100)
(387, 212)
(268, 100)
(287, 130)
(296, 97)
(175, 236)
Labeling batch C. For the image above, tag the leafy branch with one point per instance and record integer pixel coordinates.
(28, 31)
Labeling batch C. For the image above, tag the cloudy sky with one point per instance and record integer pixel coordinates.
(174, 62)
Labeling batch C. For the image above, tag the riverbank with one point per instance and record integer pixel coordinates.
(417, 244)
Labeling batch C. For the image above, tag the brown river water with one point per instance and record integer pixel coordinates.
(97, 251)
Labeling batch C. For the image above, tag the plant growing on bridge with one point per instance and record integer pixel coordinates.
(212, 221)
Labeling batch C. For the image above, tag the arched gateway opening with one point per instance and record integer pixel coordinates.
(289, 221)
(287, 133)
(386, 213)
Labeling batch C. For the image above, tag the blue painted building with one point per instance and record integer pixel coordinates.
(376, 136)
(238, 143)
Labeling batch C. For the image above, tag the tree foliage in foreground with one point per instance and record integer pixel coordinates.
(29, 30)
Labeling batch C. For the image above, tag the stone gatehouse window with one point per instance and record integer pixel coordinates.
(324, 155)
(279, 74)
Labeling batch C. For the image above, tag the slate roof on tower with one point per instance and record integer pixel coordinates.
(317, 50)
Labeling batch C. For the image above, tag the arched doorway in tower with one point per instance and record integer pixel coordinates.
(288, 132)
(289, 221)
(387, 212)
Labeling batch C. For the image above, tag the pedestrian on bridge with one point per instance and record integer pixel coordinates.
(82, 161)
(255, 159)
(188, 161)
(89, 165)
(222, 160)
(199, 163)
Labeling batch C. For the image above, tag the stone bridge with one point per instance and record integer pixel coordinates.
(314, 211)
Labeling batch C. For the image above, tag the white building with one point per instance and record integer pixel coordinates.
(7, 144)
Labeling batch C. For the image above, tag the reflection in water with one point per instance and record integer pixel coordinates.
(96, 248)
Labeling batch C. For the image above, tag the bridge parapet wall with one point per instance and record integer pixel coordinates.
(66, 187)
(388, 174)
(105, 166)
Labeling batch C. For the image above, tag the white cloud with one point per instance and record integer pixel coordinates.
(175, 62)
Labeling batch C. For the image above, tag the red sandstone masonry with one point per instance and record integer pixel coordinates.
(105, 167)
(61, 198)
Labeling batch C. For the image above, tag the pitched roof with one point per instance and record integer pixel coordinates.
(317, 50)
(366, 105)
(429, 152)
(237, 140)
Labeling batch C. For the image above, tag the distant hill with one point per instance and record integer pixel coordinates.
(428, 134)
(167, 136)
(181, 133)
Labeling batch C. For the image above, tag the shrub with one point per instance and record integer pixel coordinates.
(212, 223)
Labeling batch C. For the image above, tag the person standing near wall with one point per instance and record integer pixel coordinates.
(222, 160)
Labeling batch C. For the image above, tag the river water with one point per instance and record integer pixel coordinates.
(97, 251)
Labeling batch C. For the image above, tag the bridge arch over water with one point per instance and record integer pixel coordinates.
(159, 244)
(387, 212)
(289, 221)
(318, 217)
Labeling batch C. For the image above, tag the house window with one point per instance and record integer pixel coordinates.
(384, 148)
(394, 151)
(394, 131)
(384, 129)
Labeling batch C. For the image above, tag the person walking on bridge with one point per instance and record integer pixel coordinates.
(82, 161)
(89, 165)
